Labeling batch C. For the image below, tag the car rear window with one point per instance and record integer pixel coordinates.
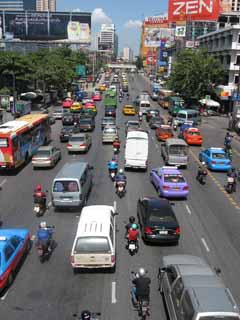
(65, 186)
(85, 121)
(92, 245)
(156, 218)
(218, 156)
(110, 130)
(194, 133)
(76, 139)
(173, 178)
(43, 153)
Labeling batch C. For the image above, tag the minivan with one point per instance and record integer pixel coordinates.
(187, 115)
(72, 185)
(94, 246)
(193, 291)
(175, 152)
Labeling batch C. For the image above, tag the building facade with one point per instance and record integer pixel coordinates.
(46, 5)
(107, 39)
(127, 54)
(11, 5)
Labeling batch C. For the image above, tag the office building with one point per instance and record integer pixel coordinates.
(107, 39)
(29, 5)
(46, 5)
(127, 54)
(11, 5)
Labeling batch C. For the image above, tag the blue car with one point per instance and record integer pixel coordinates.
(14, 244)
(215, 159)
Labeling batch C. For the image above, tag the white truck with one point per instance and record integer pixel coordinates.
(136, 151)
(144, 105)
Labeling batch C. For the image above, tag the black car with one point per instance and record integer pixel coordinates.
(86, 124)
(67, 131)
(156, 122)
(108, 121)
(132, 125)
(157, 220)
(68, 119)
(110, 112)
(152, 113)
(88, 113)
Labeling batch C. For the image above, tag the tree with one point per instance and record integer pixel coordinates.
(194, 73)
(139, 62)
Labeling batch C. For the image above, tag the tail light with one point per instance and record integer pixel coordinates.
(185, 188)
(69, 145)
(72, 259)
(83, 145)
(214, 162)
(166, 187)
(113, 259)
(148, 230)
(177, 231)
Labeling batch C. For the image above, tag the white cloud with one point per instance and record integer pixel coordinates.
(99, 16)
(77, 10)
(133, 24)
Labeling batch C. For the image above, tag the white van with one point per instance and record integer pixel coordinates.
(144, 105)
(136, 152)
(94, 245)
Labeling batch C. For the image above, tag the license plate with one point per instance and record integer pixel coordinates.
(176, 188)
(163, 232)
(132, 246)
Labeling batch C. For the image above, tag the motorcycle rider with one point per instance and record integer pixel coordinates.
(113, 165)
(202, 169)
(228, 140)
(116, 144)
(133, 233)
(140, 116)
(170, 121)
(39, 196)
(85, 315)
(141, 289)
(233, 174)
(44, 235)
(128, 226)
(120, 177)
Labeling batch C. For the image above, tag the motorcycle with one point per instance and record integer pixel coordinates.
(112, 173)
(142, 305)
(230, 185)
(121, 188)
(94, 315)
(175, 127)
(39, 206)
(202, 177)
(45, 248)
(132, 247)
(229, 153)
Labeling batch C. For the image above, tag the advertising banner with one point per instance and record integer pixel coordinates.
(153, 35)
(151, 58)
(180, 31)
(33, 25)
(183, 10)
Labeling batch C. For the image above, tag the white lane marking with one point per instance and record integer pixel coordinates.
(114, 300)
(2, 183)
(205, 244)
(152, 137)
(188, 209)
(5, 296)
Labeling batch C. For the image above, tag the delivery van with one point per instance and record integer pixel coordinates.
(136, 152)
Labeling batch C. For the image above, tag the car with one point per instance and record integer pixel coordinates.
(97, 97)
(86, 124)
(88, 112)
(46, 157)
(91, 107)
(76, 107)
(67, 131)
(164, 132)
(109, 134)
(52, 120)
(58, 113)
(110, 111)
(108, 121)
(67, 103)
(174, 109)
(154, 96)
(128, 110)
(216, 159)
(68, 119)
(157, 221)
(152, 113)
(169, 182)
(79, 142)
(15, 243)
(156, 122)
(193, 136)
(102, 87)
(132, 125)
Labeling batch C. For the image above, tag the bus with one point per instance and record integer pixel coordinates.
(20, 139)
(22, 108)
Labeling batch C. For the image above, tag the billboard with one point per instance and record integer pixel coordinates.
(153, 35)
(151, 57)
(33, 25)
(183, 10)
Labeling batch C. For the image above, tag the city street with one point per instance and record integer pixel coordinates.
(209, 221)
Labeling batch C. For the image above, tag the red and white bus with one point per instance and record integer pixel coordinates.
(20, 139)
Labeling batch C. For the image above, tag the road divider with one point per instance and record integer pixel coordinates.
(114, 299)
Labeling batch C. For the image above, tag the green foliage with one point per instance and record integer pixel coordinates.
(194, 73)
(139, 63)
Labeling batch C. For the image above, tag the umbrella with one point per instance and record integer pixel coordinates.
(210, 103)
(29, 95)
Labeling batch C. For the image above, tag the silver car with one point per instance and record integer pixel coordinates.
(46, 157)
(58, 113)
(109, 134)
(79, 142)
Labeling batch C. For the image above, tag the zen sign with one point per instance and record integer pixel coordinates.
(183, 10)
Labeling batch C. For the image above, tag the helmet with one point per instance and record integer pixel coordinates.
(132, 219)
(121, 171)
(38, 188)
(134, 226)
(85, 315)
(203, 163)
(43, 224)
(141, 272)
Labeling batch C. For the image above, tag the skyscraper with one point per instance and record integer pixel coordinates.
(46, 5)
(127, 54)
(11, 5)
(108, 39)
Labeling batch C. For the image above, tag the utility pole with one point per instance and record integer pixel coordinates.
(14, 86)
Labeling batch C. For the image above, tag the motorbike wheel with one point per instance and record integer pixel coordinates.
(42, 258)
(131, 252)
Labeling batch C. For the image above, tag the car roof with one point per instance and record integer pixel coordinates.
(218, 150)
(76, 135)
(169, 170)
(45, 148)
(176, 141)
(6, 234)
(132, 122)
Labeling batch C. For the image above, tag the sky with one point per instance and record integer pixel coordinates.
(127, 15)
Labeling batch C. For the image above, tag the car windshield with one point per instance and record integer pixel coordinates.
(65, 186)
(173, 178)
(72, 138)
(92, 245)
(67, 129)
(108, 120)
(43, 153)
(218, 156)
(110, 130)
(194, 133)
(178, 150)
(58, 111)
(85, 121)
(158, 216)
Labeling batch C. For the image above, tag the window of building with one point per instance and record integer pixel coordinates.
(237, 61)
(236, 79)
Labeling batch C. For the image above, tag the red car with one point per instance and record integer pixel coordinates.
(67, 103)
(97, 97)
(193, 136)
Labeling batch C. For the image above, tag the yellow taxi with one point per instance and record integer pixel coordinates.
(91, 107)
(102, 87)
(129, 110)
(76, 107)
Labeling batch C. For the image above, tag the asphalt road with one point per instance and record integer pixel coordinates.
(209, 220)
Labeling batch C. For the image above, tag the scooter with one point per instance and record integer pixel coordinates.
(44, 250)
(230, 186)
(132, 247)
(40, 207)
(121, 188)
(202, 177)
(142, 305)
(112, 174)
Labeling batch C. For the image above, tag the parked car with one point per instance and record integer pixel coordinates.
(87, 124)
(152, 113)
(156, 122)
(215, 159)
(109, 134)
(67, 131)
(108, 121)
(169, 182)
(157, 220)
(46, 157)
(132, 125)
(164, 132)
(15, 243)
(79, 142)
(67, 119)
(58, 113)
